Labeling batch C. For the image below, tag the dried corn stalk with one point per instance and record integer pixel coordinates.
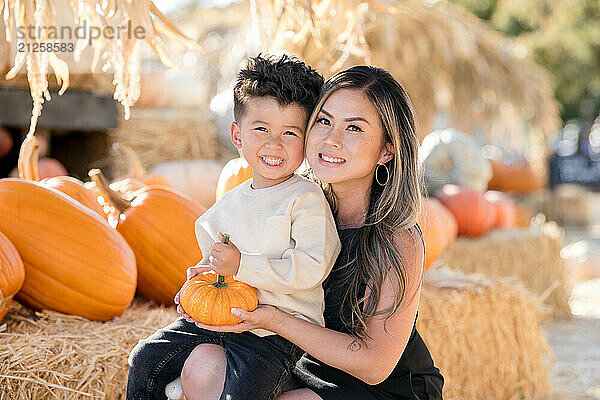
(449, 62)
(116, 53)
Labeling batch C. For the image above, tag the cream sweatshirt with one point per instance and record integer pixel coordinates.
(287, 238)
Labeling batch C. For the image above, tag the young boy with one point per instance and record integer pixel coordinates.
(283, 240)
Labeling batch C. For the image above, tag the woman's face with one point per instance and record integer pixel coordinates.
(346, 142)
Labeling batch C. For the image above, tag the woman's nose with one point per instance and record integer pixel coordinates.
(334, 138)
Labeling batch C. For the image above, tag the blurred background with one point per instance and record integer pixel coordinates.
(507, 93)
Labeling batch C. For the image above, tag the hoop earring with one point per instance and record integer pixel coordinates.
(387, 174)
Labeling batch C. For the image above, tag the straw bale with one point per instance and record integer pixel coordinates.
(159, 135)
(530, 254)
(49, 355)
(485, 336)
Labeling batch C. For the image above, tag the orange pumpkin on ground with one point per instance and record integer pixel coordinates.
(12, 273)
(506, 210)
(208, 300)
(523, 216)
(74, 188)
(236, 171)
(158, 223)
(518, 178)
(138, 177)
(439, 229)
(75, 263)
(473, 213)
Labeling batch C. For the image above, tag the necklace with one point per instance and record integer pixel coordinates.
(343, 226)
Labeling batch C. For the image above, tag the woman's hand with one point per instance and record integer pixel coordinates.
(265, 316)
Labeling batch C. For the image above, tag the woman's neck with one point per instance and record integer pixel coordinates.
(352, 204)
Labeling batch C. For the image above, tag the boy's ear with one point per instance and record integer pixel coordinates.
(236, 135)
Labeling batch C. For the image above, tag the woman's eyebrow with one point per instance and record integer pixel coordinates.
(350, 119)
(356, 119)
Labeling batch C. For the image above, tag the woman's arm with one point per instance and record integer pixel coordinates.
(370, 360)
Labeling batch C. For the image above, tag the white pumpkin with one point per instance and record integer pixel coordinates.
(451, 156)
(196, 178)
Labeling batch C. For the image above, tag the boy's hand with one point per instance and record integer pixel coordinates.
(224, 258)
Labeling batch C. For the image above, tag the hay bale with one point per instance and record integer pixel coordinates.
(485, 337)
(159, 135)
(529, 254)
(49, 355)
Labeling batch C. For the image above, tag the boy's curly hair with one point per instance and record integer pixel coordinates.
(286, 79)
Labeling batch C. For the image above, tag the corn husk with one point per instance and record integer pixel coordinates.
(119, 54)
(484, 336)
(452, 64)
(532, 255)
(49, 355)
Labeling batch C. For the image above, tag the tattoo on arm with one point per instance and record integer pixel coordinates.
(354, 345)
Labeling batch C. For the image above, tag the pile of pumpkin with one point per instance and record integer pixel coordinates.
(84, 249)
(468, 193)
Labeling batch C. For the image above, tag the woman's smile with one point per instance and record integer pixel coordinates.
(330, 161)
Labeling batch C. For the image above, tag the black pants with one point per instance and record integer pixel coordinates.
(257, 367)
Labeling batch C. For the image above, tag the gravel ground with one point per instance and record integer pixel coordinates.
(576, 341)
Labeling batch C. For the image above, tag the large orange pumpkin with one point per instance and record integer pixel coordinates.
(439, 229)
(74, 188)
(518, 178)
(158, 223)
(234, 172)
(473, 213)
(209, 300)
(75, 263)
(12, 273)
(138, 177)
(506, 211)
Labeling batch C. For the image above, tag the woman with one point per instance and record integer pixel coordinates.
(362, 146)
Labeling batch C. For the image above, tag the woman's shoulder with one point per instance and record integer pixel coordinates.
(409, 242)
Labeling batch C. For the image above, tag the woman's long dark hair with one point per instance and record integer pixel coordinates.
(392, 207)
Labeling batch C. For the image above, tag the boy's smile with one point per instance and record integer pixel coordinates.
(271, 137)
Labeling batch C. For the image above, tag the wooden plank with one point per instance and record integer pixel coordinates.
(74, 110)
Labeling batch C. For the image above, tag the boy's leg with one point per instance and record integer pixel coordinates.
(203, 373)
(257, 367)
(156, 361)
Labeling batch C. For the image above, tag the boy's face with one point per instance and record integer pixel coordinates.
(271, 138)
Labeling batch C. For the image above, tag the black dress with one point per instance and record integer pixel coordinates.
(414, 377)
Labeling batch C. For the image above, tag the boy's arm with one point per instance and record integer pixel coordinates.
(308, 263)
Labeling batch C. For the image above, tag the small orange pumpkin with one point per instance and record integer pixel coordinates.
(506, 211)
(473, 213)
(158, 223)
(518, 178)
(439, 229)
(208, 298)
(236, 171)
(12, 273)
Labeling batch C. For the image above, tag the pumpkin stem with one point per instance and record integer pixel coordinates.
(220, 284)
(115, 198)
(136, 169)
(28, 159)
